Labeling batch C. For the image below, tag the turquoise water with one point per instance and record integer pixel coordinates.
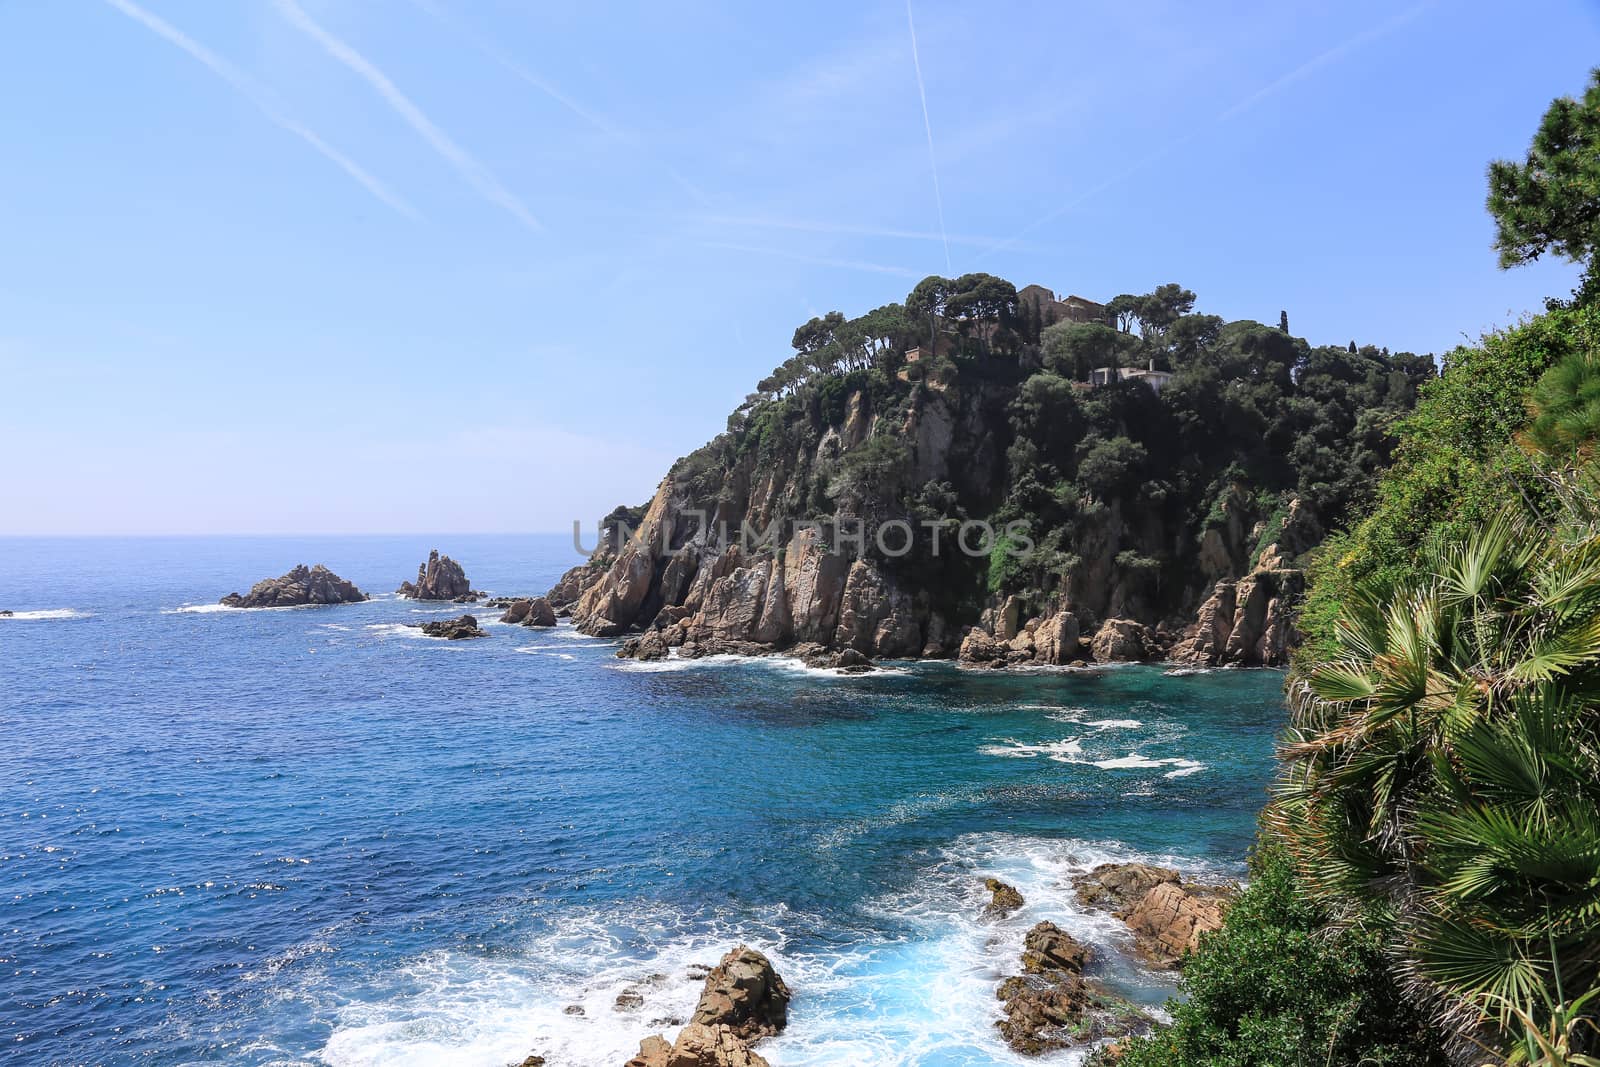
(312, 836)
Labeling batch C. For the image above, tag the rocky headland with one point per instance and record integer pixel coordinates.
(743, 1000)
(301, 586)
(1003, 498)
(440, 578)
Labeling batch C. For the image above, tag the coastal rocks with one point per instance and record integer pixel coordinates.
(1055, 642)
(530, 611)
(440, 578)
(697, 1046)
(1167, 917)
(458, 629)
(743, 992)
(1049, 948)
(744, 1000)
(1003, 899)
(6, 613)
(1248, 622)
(302, 585)
(1051, 1006)
(1122, 641)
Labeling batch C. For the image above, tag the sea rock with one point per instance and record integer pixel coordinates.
(875, 617)
(1167, 917)
(1003, 899)
(1168, 921)
(744, 993)
(1052, 1006)
(531, 1061)
(650, 645)
(1049, 948)
(1055, 642)
(1121, 641)
(458, 629)
(302, 585)
(697, 1046)
(529, 611)
(6, 613)
(440, 578)
(847, 660)
(979, 648)
(1113, 886)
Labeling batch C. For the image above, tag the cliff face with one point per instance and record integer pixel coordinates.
(994, 509)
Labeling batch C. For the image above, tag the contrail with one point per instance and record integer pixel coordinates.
(1333, 54)
(593, 118)
(927, 125)
(475, 173)
(246, 88)
(820, 261)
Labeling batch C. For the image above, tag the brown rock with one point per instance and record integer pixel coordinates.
(1168, 921)
(1055, 642)
(1121, 641)
(1003, 899)
(978, 647)
(1049, 948)
(743, 992)
(540, 613)
(301, 586)
(439, 578)
(458, 629)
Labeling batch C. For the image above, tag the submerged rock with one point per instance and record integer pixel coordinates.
(440, 578)
(458, 629)
(302, 585)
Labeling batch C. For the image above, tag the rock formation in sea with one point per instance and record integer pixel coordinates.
(1003, 899)
(439, 578)
(527, 611)
(743, 1000)
(302, 585)
(1051, 1006)
(868, 507)
(457, 629)
(1166, 914)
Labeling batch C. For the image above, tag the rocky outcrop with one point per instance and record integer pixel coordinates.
(458, 629)
(1051, 1006)
(1003, 899)
(1121, 641)
(1166, 915)
(743, 1000)
(744, 993)
(529, 611)
(302, 585)
(439, 578)
(697, 1046)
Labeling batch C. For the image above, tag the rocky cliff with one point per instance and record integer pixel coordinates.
(983, 504)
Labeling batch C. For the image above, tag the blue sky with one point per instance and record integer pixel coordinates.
(438, 265)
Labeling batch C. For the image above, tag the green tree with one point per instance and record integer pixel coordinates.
(1551, 201)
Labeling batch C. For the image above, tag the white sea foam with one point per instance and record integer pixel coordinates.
(46, 615)
(394, 629)
(1114, 724)
(1069, 750)
(787, 664)
(200, 609)
(912, 986)
(1134, 761)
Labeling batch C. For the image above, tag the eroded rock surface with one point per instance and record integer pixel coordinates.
(439, 578)
(301, 586)
(1166, 915)
(743, 1000)
(1051, 1006)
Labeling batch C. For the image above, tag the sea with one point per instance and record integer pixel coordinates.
(314, 836)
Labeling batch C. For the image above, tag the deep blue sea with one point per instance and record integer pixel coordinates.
(313, 836)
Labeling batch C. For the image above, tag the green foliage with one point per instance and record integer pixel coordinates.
(1457, 464)
(1566, 409)
(1443, 765)
(1275, 987)
(1551, 201)
(1110, 465)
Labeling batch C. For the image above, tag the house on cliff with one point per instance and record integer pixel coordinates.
(1044, 306)
(1156, 379)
